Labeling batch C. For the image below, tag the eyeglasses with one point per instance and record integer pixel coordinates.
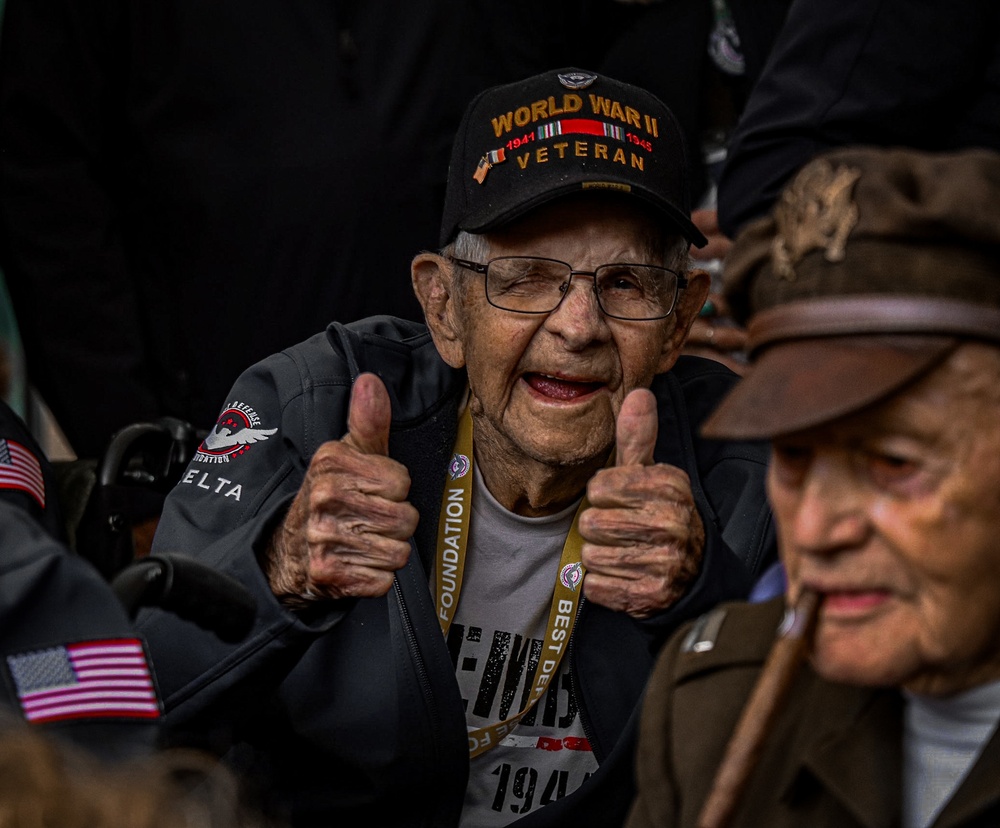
(530, 284)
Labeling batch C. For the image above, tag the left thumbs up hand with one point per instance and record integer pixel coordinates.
(644, 536)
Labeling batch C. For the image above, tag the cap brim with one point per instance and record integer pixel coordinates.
(491, 219)
(804, 383)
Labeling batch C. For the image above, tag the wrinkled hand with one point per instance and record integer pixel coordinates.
(644, 537)
(348, 528)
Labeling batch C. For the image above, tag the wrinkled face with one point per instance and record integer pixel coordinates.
(547, 387)
(892, 515)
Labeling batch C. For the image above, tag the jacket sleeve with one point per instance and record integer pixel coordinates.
(879, 72)
(223, 512)
(36, 491)
(62, 76)
(728, 476)
(51, 600)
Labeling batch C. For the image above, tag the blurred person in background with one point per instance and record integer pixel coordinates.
(46, 784)
(922, 74)
(873, 296)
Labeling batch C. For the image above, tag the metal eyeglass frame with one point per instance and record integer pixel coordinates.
(482, 268)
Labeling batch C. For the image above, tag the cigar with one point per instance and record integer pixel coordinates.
(745, 745)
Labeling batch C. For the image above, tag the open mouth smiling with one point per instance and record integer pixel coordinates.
(563, 389)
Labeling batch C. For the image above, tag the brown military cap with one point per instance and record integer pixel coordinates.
(873, 266)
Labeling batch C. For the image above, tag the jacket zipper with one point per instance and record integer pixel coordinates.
(425, 682)
(587, 731)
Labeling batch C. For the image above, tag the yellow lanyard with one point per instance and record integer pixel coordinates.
(453, 537)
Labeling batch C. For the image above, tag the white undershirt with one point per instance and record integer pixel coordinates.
(942, 738)
(500, 623)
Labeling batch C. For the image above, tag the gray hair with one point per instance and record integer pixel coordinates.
(472, 246)
(677, 254)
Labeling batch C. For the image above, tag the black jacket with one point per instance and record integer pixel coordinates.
(350, 712)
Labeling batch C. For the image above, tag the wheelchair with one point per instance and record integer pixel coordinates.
(111, 507)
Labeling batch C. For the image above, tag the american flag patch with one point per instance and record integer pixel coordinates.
(91, 679)
(20, 469)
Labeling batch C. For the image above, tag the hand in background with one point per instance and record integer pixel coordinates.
(714, 334)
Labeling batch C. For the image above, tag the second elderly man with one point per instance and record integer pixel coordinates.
(875, 335)
(469, 539)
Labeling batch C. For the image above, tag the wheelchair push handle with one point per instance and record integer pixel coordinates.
(189, 589)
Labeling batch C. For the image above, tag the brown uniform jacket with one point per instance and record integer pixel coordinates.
(834, 757)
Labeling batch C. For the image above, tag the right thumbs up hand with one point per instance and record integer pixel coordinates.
(348, 528)
(643, 535)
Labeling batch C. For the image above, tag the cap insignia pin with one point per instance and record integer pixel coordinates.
(487, 162)
(576, 80)
(816, 213)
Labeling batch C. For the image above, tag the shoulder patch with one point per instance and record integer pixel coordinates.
(236, 430)
(106, 678)
(21, 470)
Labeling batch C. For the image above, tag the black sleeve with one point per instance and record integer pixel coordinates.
(61, 113)
(727, 476)
(54, 608)
(881, 72)
(27, 479)
(224, 514)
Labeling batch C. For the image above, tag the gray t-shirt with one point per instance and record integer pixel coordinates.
(942, 739)
(496, 638)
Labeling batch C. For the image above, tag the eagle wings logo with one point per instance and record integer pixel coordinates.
(222, 438)
(237, 428)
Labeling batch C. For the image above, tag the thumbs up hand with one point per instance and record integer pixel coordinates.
(643, 535)
(348, 528)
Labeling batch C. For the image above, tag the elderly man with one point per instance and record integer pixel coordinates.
(875, 294)
(407, 503)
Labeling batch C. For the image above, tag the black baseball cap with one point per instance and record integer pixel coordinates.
(523, 144)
